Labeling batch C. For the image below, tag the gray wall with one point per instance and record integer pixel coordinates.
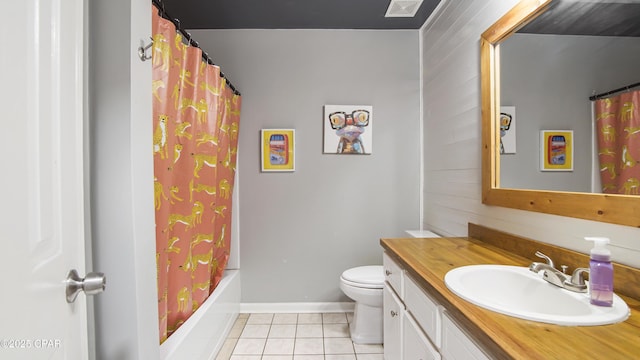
(300, 230)
(452, 141)
(549, 78)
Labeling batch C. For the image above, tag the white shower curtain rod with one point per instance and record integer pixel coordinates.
(624, 88)
(176, 22)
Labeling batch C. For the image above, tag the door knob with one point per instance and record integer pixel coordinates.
(93, 283)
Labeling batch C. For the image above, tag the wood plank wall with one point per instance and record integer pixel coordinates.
(450, 42)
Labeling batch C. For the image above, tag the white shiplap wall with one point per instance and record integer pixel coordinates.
(452, 140)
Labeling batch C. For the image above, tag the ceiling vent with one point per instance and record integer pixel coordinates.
(403, 8)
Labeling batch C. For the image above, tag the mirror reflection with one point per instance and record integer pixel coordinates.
(550, 129)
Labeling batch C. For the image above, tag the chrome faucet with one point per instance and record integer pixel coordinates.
(574, 282)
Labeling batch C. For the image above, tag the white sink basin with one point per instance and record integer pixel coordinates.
(518, 292)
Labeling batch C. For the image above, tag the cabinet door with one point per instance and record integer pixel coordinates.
(423, 309)
(456, 344)
(415, 345)
(393, 274)
(392, 322)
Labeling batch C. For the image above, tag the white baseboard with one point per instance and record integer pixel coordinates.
(297, 307)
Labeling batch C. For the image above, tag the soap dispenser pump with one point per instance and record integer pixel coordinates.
(600, 272)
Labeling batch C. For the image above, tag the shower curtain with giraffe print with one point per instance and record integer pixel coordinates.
(618, 124)
(195, 121)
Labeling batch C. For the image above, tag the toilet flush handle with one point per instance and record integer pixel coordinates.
(387, 272)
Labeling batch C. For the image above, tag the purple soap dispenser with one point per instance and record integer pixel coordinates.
(600, 272)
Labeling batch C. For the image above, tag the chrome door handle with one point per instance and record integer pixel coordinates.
(93, 283)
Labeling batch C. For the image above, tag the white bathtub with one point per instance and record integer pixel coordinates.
(203, 334)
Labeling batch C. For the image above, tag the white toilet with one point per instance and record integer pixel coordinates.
(364, 285)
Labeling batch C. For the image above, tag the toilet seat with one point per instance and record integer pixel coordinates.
(368, 277)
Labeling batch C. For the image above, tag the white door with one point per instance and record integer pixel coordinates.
(42, 209)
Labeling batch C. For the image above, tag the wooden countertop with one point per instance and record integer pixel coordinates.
(506, 337)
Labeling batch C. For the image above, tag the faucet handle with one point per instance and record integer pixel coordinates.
(577, 277)
(576, 282)
(546, 258)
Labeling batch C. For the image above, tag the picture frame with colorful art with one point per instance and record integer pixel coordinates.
(348, 129)
(556, 150)
(277, 148)
(507, 125)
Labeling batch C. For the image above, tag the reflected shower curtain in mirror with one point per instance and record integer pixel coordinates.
(618, 124)
(195, 121)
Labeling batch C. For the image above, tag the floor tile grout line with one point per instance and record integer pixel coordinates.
(322, 323)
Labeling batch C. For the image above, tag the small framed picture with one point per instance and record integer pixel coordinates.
(556, 150)
(277, 149)
(348, 129)
(507, 124)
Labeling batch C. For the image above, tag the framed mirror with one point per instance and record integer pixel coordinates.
(610, 208)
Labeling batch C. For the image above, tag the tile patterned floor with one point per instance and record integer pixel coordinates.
(295, 337)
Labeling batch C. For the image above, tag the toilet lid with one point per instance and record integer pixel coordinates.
(365, 276)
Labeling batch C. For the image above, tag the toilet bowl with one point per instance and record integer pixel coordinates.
(364, 285)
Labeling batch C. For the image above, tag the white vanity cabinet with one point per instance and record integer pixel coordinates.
(456, 344)
(403, 337)
(416, 327)
(424, 309)
(393, 308)
(392, 324)
(393, 274)
(415, 345)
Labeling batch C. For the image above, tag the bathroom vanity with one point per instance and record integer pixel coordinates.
(416, 326)
(423, 319)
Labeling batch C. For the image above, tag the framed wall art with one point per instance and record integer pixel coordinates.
(348, 129)
(507, 130)
(556, 150)
(277, 147)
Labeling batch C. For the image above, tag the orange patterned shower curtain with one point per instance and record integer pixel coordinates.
(618, 124)
(195, 121)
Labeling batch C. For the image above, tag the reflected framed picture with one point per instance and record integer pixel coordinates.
(556, 150)
(507, 123)
(277, 147)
